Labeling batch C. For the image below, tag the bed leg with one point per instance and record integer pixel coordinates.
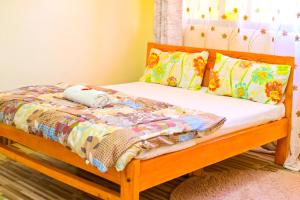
(3, 140)
(130, 181)
(282, 150)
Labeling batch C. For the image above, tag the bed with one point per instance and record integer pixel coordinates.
(256, 125)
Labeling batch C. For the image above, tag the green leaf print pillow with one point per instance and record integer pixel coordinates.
(251, 80)
(177, 69)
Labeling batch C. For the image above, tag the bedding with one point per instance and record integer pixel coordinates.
(177, 69)
(108, 136)
(250, 80)
(240, 113)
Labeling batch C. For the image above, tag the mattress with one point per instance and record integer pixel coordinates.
(240, 114)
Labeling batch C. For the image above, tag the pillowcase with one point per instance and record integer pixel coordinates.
(261, 82)
(177, 69)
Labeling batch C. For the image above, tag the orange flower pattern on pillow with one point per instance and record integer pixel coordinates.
(176, 69)
(172, 81)
(199, 65)
(255, 81)
(214, 82)
(246, 64)
(153, 60)
(274, 91)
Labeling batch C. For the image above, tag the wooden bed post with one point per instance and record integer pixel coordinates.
(282, 150)
(4, 141)
(130, 181)
(283, 145)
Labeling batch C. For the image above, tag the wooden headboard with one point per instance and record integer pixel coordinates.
(243, 55)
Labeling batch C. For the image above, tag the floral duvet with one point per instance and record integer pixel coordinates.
(106, 137)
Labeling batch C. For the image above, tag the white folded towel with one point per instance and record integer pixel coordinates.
(87, 96)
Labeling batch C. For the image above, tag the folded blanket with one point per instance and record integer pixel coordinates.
(106, 137)
(87, 96)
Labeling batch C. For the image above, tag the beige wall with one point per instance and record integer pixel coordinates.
(83, 41)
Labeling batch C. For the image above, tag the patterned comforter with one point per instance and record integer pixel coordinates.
(106, 137)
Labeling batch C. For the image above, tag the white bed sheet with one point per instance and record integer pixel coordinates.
(240, 114)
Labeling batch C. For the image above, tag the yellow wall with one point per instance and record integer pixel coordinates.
(76, 41)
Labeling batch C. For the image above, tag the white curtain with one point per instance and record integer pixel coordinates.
(262, 26)
(167, 21)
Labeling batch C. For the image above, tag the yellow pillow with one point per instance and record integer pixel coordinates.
(261, 82)
(177, 69)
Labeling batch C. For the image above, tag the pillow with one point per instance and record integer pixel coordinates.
(177, 69)
(251, 80)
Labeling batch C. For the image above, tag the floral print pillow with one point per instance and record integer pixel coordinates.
(251, 80)
(177, 69)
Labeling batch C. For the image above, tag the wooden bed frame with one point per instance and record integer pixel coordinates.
(141, 175)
